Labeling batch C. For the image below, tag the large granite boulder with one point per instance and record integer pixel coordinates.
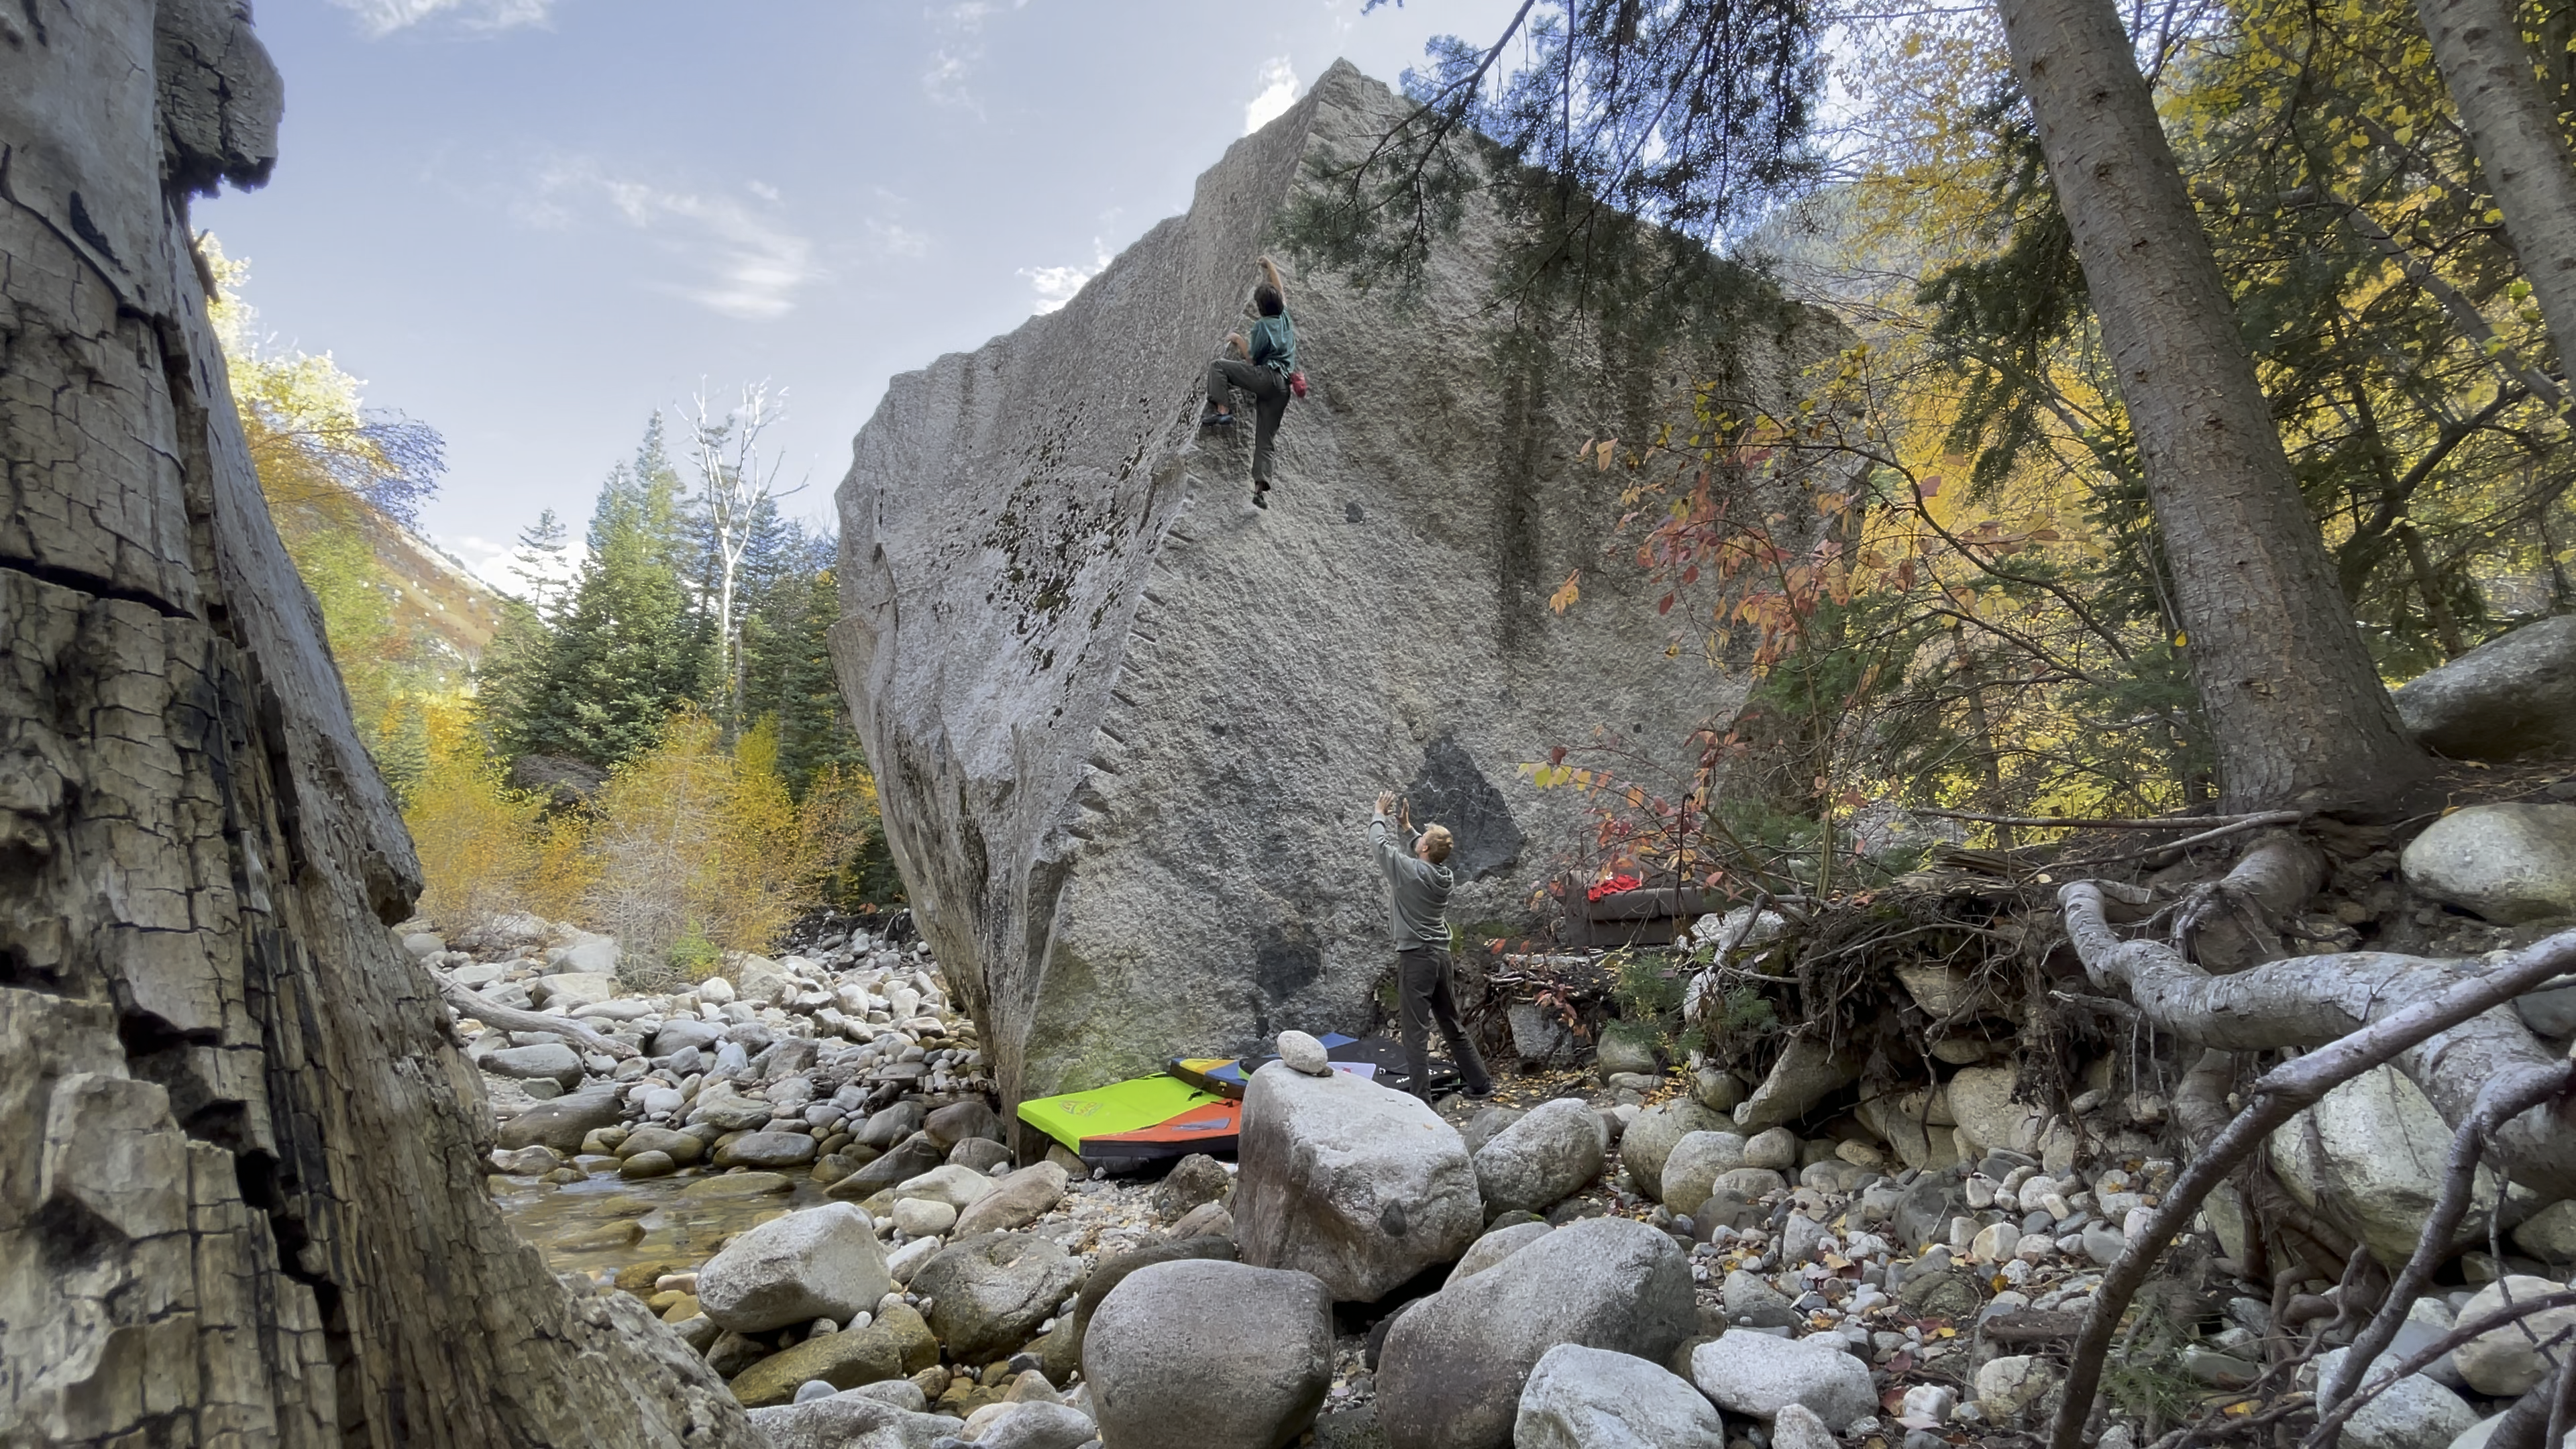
(1539, 1160)
(1453, 1368)
(1591, 1398)
(989, 1294)
(1650, 1139)
(1062, 620)
(895, 1343)
(2513, 695)
(823, 1262)
(561, 1122)
(2508, 863)
(1358, 1184)
(2371, 1156)
(1200, 1352)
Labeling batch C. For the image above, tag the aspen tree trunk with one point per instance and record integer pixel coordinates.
(2296, 710)
(2521, 142)
(241, 1186)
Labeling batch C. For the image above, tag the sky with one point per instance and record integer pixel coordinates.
(530, 223)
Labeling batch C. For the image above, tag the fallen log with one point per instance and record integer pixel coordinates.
(511, 1018)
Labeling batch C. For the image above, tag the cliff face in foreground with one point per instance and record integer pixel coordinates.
(1128, 729)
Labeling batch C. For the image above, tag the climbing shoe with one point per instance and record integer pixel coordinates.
(1260, 494)
(1217, 420)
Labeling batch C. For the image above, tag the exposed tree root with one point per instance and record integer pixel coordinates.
(2234, 922)
(511, 1018)
(2437, 1020)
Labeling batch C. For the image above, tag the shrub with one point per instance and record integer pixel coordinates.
(480, 842)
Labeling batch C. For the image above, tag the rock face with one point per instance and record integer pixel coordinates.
(2508, 863)
(1053, 588)
(1189, 1353)
(239, 1202)
(1590, 1398)
(2513, 695)
(1454, 1366)
(1357, 1184)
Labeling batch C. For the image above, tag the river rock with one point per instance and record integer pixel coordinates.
(2549, 1234)
(896, 1343)
(680, 1033)
(850, 1421)
(641, 1165)
(2511, 696)
(1044, 564)
(892, 1125)
(923, 1217)
(1537, 1161)
(2507, 863)
(1539, 1039)
(1628, 1046)
(681, 1147)
(1358, 1184)
(1696, 1163)
(1194, 1180)
(2415, 1411)
(2375, 1162)
(909, 1159)
(2502, 1362)
(1300, 1052)
(562, 1122)
(1980, 1099)
(1495, 1246)
(1808, 1071)
(958, 1187)
(1453, 1367)
(959, 1121)
(2013, 1385)
(552, 1060)
(1756, 1374)
(573, 990)
(1650, 1139)
(1030, 1424)
(767, 1149)
(1590, 1398)
(727, 1111)
(989, 1294)
(1015, 1201)
(823, 1262)
(1190, 1353)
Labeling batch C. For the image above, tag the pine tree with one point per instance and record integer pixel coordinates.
(629, 647)
(542, 567)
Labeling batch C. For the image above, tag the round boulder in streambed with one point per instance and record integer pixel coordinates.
(1453, 1367)
(1537, 1161)
(767, 1150)
(1192, 1353)
(1358, 1184)
(552, 1061)
(895, 1345)
(989, 1294)
(823, 1262)
(2510, 864)
(564, 1121)
(1015, 1201)
(680, 1147)
(1651, 1138)
(1590, 1398)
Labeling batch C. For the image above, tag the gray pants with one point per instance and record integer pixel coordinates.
(1422, 987)
(1269, 403)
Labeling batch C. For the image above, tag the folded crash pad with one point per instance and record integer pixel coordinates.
(1194, 1070)
(1212, 1129)
(1118, 1107)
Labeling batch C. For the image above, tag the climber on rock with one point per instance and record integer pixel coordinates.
(1265, 366)
(1418, 885)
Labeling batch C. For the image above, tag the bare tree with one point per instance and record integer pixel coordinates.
(734, 484)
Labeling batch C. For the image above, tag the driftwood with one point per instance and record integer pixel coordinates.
(2436, 1020)
(511, 1018)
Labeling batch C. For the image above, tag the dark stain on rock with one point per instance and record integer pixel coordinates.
(1449, 790)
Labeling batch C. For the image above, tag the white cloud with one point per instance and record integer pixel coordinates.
(1278, 93)
(384, 17)
(957, 55)
(750, 266)
(1055, 286)
(897, 240)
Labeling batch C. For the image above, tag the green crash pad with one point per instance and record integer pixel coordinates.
(1118, 1107)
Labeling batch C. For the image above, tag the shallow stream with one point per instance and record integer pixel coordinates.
(606, 1224)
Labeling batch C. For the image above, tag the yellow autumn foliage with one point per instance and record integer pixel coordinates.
(696, 842)
(481, 844)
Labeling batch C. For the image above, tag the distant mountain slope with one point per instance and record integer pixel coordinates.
(435, 597)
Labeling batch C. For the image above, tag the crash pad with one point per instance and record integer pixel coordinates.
(1118, 1107)
(1212, 1129)
(1385, 1055)
(1194, 1070)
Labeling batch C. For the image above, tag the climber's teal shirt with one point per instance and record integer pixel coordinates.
(1274, 344)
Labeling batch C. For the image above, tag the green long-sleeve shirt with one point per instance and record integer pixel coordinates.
(1417, 890)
